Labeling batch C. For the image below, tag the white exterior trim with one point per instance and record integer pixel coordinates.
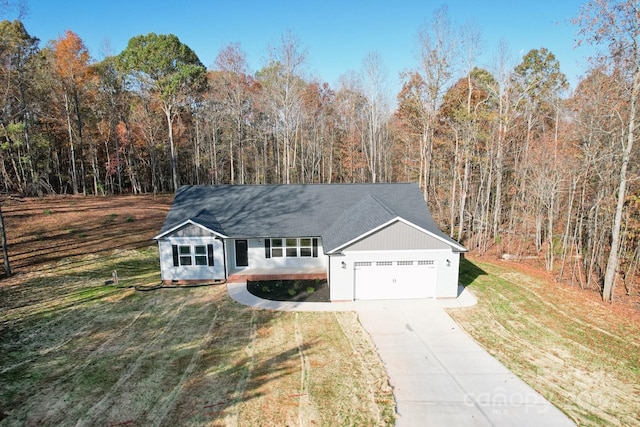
(258, 260)
(187, 222)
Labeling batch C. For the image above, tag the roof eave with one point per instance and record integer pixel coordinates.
(187, 222)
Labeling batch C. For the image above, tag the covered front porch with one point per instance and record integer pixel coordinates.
(280, 273)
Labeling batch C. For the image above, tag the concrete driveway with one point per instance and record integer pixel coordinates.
(439, 375)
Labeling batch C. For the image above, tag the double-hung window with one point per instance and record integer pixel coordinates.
(303, 247)
(192, 255)
(276, 248)
(306, 248)
(200, 254)
(185, 255)
(292, 248)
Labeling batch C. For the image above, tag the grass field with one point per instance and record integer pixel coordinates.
(580, 354)
(75, 351)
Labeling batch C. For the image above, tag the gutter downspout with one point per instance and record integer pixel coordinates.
(224, 258)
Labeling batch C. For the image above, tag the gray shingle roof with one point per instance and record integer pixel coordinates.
(338, 213)
(363, 216)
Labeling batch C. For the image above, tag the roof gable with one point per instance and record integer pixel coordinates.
(396, 235)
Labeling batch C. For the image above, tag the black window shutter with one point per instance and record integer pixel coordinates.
(210, 254)
(315, 248)
(267, 248)
(175, 255)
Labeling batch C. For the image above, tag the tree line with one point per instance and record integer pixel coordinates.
(509, 160)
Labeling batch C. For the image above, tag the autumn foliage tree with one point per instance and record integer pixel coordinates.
(71, 66)
(232, 89)
(18, 56)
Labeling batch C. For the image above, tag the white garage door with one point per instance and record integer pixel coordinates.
(395, 279)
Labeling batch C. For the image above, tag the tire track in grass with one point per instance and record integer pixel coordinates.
(45, 330)
(233, 418)
(304, 401)
(50, 380)
(44, 352)
(368, 359)
(93, 413)
(516, 280)
(571, 374)
(51, 387)
(48, 328)
(164, 406)
(38, 331)
(60, 408)
(49, 306)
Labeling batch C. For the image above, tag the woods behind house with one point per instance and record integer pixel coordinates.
(508, 158)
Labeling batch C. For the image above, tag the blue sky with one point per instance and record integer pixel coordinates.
(337, 34)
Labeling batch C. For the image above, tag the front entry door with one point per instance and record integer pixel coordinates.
(242, 257)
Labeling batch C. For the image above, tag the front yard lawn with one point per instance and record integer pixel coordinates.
(76, 352)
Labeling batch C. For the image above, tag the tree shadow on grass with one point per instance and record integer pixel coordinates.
(199, 358)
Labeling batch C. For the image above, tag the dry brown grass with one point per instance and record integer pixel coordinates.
(582, 355)
(74, 351)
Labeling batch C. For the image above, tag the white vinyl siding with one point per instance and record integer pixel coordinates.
(189, 258)
(261, 255)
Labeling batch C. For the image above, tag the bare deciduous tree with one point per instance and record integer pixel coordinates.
(616, 25)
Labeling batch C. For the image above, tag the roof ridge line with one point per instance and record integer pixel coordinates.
(383, 204)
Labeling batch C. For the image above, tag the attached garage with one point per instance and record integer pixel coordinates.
(398, 260)
(395, 279)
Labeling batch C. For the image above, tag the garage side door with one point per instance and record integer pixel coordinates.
(395, 279)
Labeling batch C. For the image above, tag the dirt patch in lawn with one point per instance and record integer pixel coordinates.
(290, 290)
(44, 231)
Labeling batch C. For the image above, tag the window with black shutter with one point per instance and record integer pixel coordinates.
(196, 255)
(291, 247)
